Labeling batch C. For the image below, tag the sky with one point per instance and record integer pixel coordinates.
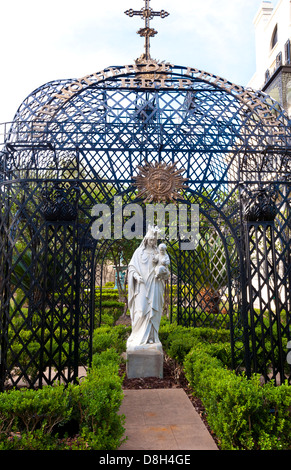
(57, 39)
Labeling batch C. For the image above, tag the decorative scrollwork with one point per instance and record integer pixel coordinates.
(57, 206)
(260, 206)
(160, 182)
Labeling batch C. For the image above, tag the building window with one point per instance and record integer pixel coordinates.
(287, 53)
(279, 60)
(274, 39)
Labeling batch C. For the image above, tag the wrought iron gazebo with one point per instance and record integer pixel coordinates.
(74, 143)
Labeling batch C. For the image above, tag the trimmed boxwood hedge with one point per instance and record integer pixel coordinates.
(243, 413)
(81, 417)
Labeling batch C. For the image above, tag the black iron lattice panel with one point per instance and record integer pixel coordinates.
(230, 143)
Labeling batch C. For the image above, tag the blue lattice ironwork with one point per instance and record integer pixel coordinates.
(74, 143)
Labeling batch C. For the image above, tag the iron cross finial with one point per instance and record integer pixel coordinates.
(147, 14)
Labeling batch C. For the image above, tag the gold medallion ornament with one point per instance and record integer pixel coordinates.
(160, 182)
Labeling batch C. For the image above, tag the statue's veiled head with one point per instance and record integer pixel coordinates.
(151, 237)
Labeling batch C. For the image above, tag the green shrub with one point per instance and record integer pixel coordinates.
(107, 296)
(112, 304)
(24, 412)
(32, 420)
(242, 413)
(110, 309)
(98, 399)
(109, 284)
(179, 340)
(108, 318)
(31, 440)
(106, 337)
(38, 419)
(110, 356)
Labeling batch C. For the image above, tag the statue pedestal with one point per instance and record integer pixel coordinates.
(144, 362)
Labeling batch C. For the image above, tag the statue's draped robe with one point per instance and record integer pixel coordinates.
(145, 299)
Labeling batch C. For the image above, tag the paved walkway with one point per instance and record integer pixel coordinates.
(163, 419)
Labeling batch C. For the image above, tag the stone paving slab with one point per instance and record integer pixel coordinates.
(163, 419)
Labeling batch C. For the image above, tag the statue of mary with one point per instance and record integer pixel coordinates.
(145, 294)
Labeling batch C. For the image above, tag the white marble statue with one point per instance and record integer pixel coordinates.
(147, 272)
(162, 261)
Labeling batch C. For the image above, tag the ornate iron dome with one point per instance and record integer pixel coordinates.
(75, 143)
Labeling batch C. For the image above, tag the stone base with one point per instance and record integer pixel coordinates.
(131, 347)
(144, 363)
